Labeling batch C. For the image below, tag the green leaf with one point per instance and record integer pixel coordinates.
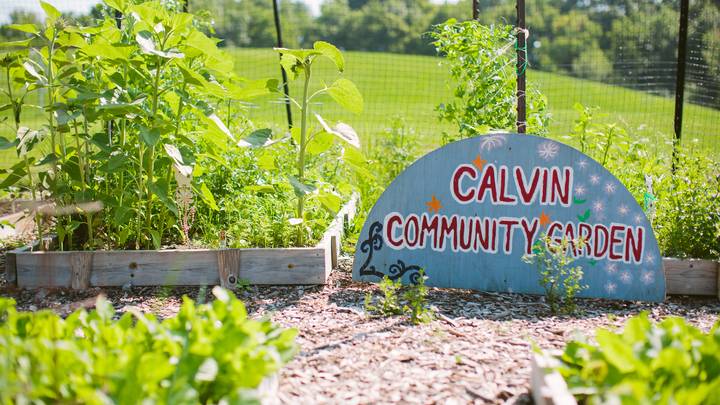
(147, 45)
(345, 93)
(207, 196)
(321, 142)
(300, 188)
(155, 238)
(256, 139)
(150, 136)
(342, 131)
(7, 144)
(52, 13)
(331, 52)
(29, 28)
(330, 201)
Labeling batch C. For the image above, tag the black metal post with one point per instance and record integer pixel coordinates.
(286, 88)
(476, 12)
(680, 78)
(521, 67)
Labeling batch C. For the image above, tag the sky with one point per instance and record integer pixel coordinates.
(82, 6)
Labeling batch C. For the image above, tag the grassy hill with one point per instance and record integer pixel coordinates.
(412, 86)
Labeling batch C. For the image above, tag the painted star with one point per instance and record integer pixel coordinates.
(580, 190)
(625, 277)
(434, 205)
(647, 277)
(623, 210)
(479, 162)
(583, 163)
(544, 219)
(609, 188)
(595, 179)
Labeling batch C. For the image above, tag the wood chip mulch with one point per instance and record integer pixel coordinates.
(476, 351)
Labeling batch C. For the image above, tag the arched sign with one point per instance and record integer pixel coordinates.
(466, 213)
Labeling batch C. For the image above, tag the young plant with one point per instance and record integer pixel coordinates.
(416, 306)
(560, 280)
(298, 63)
(683, 360)
(389, 302)
(208, 353)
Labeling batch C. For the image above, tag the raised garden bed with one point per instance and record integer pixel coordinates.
(226, 267)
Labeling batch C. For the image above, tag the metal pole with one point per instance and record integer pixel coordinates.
(521, 67)
(475, 10)
(680, 79)
(286, 88)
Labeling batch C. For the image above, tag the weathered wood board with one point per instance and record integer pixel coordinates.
(692, 276)
(170, 267)
(468, 212)
(226, 267)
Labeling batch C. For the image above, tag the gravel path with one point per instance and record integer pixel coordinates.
(476, 351)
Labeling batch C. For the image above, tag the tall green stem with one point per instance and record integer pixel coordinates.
(301, 154)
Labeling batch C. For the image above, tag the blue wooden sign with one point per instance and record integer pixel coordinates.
(466, 213)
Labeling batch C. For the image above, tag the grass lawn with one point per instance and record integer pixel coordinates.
(411, 86)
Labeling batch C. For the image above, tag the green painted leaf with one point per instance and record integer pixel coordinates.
(345, 93)
(331, 52)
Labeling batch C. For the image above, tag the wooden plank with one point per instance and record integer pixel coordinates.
(547, 385)
(229, 267)
(11, 262)
(81, 267)
(172, 267)
(43, 269)
(691, 276)
(283, 266)
(150, 267)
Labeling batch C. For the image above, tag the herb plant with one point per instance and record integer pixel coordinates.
(557, 276)
(664, 363)
(210, 353)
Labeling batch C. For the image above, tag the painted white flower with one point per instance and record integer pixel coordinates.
(548, 150)
(609, 187)
(611, 268)
(598, 206)
(625, 277)
(647, 277)
(610, 287)
(490, 142)
(580, 190)
(595, 179)
(623, 210)
(650, 258)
